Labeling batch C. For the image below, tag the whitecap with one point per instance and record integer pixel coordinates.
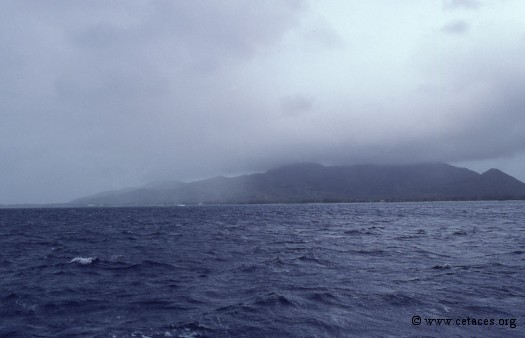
(187, 333)
(83, 260)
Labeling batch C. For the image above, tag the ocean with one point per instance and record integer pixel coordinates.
(433, 269)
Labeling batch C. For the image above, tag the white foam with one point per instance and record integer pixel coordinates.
(188, 334)
(83, 260)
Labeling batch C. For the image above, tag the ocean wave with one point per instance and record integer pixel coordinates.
(286, 275)
(441, 267)
(84, 260)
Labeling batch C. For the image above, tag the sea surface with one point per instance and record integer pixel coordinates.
(311, 270)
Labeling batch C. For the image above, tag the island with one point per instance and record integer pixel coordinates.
(316, 183)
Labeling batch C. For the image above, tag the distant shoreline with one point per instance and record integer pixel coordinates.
(73, 206)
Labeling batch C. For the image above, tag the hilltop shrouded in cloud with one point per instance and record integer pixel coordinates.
(102, 95)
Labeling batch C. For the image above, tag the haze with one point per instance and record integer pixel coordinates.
(100, 95)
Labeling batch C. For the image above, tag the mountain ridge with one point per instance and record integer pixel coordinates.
(313, 182)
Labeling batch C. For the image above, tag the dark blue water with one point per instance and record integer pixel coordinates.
(265, 271)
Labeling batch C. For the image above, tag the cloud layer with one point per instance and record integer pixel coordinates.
(103, 95)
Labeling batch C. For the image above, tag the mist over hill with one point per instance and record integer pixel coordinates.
(312, 182)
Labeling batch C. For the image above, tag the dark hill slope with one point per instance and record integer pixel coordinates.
(317, 183)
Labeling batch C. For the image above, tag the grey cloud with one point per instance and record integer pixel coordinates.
(456, 27)
(103, 96)
(98, 96)
(483, 114)
(323, 34)
(296, 104)
(465, 4)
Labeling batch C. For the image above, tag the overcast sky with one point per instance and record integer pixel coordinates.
(101, 95)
